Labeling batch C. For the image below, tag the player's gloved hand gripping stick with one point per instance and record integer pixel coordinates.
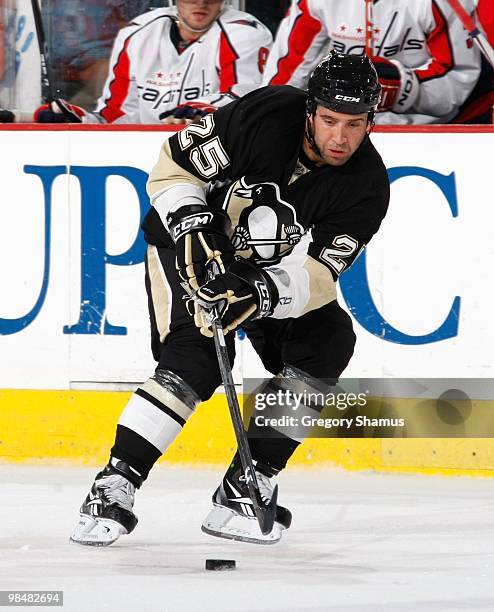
(244, 292)
(265, 512)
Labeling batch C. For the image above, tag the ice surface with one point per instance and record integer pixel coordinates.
(358, 542)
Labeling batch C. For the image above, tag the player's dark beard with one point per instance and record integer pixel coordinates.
(310, 136)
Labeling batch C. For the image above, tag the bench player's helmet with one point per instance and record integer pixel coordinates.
(345, 84)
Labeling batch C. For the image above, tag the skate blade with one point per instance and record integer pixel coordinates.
(91, 531)
(224, 523)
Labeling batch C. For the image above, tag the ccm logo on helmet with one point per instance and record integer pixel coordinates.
(346, 98)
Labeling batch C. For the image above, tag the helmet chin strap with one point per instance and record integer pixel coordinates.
(309, 134)
(370, 121)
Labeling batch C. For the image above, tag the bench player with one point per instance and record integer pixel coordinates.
(425, 62)
(175, 64)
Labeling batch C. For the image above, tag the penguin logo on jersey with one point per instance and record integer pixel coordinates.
(266, 227)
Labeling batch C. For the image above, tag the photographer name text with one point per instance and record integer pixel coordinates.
(311, 421)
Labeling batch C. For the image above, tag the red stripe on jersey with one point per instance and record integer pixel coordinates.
(228, 68)
(439, 46)
(485, 12)
(304, 30)
(119, 87)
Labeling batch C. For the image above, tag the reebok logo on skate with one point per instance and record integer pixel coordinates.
(243, 500)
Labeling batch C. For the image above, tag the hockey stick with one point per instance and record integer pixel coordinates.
(47, 91)
(369, 28)
(46, 78)
(473, 31)
(265, 514)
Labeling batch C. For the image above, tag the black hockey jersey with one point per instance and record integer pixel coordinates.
(303, 223)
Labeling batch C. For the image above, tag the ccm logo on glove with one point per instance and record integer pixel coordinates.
(191, 223)
(264, 298)
(201, 236)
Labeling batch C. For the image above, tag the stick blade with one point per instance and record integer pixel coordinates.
(266, 514)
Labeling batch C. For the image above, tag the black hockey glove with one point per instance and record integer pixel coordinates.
(191, 112)
(201, 236)
(59, 111)
(245, 292)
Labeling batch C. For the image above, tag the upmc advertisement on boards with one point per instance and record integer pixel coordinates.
(73, 304)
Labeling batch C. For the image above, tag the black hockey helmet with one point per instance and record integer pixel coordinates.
(345, 84)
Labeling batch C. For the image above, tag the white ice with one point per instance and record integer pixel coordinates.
(359, 541)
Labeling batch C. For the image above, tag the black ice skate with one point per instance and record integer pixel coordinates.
(106, 513)
(233, 514)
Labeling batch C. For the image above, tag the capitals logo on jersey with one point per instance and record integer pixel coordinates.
(266, 227)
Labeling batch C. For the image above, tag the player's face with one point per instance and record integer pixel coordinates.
(338, 135)
(198, 14)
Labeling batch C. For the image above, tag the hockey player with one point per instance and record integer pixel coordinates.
(282, 189)
(420, 50)
(175, 64)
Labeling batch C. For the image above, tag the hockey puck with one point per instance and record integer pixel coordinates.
(219, 565)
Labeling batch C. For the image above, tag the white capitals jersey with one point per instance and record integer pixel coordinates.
(424, 35)
(148, 76)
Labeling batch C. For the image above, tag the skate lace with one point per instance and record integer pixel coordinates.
(265, 487)
(118, 490)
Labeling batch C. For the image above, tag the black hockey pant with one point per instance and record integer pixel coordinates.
(319, 343)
